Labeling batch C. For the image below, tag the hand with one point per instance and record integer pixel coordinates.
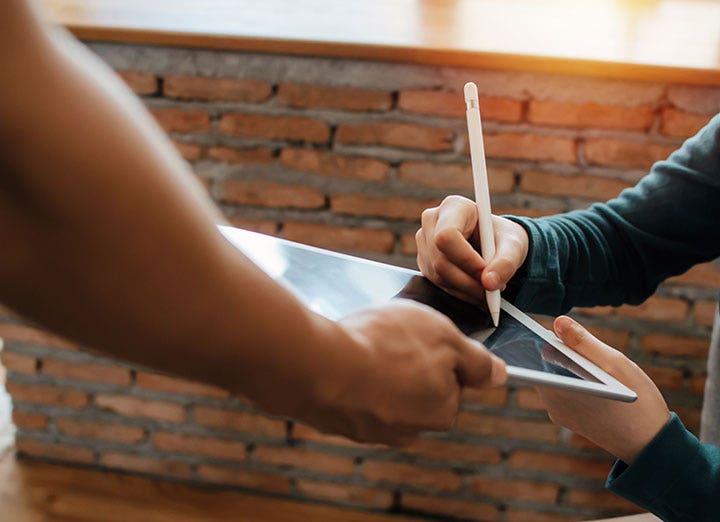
(620, 428)
(414, 365)
(448, 250)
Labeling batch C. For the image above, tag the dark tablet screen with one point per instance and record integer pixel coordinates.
(336, 285)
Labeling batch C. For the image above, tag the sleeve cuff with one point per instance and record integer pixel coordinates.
(535, 287)
(658, 468)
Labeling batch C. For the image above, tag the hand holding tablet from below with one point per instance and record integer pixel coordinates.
(448, 250)
(620, 428)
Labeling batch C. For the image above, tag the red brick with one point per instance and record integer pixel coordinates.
(179, 120)
(269, 228)
(21, 334)
(604, 500)
(380, 206)
(340, 238)
(46, 394)
(530, 147)
(690, 417)
(663, 309)
(409, 474)
(52, 450)
(704, 312)
(515, 489)
(446, 450)
(346, 493)
(528, 399)
(589, 187)
(275, 127)
(239, 421)
(453, 175)
(392, 134)
(697, 384)
(449, 507)
(613, 153)
(222, 89)
(268, 194)
(665, 378)
(452, 104)
(245, 479)
(524, 515)
(330, 164)
(408, 245)
(476, 424)
(705, 275)
(92, 429)
(206, 446)
(141, 83)
(149, 465)
(257, 155)
(305, 459)
(164, 383)
(682, 124)
(565, 464)
(17, 362)
(307, 96)
(590, 115)
(90, 372)
(675, 345)
(29, 421)
(487, 397)
(189, 151)
(306, 433)
(138, 407)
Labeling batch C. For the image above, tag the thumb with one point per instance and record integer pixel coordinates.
(583, 342)
(506, 261)
(478, 368)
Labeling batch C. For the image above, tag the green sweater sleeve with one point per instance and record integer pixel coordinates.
(618, 252)
(675, 477)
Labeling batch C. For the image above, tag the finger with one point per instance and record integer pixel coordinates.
(583, 342)
(456, 224)
(509, 256)
(477, 367)
(457, 282)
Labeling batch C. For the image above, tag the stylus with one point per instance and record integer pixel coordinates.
(482, 190)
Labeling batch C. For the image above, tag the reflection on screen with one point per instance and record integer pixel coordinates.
(518, 346)
(512, 341)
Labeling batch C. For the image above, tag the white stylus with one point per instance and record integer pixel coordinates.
(482, 190)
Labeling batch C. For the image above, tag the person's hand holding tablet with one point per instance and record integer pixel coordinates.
(620, 428)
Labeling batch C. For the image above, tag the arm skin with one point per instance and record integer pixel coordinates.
(108, 239)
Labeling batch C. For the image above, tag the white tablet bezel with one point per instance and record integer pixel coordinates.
(610, 387)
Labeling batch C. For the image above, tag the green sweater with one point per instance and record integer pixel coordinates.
(618, 252)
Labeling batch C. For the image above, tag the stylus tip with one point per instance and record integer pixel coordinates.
(496, 318)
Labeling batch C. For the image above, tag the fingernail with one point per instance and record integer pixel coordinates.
(565, 324)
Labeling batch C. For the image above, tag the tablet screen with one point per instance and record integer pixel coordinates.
(512, 341)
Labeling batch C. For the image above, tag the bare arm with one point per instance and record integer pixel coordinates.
(109, 240)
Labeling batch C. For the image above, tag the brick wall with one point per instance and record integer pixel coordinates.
(344, 155)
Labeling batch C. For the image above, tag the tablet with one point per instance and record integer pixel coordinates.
(335, 285)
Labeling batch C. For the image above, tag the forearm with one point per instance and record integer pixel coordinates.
(618, 252)
(110, 241)
(676, 477)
